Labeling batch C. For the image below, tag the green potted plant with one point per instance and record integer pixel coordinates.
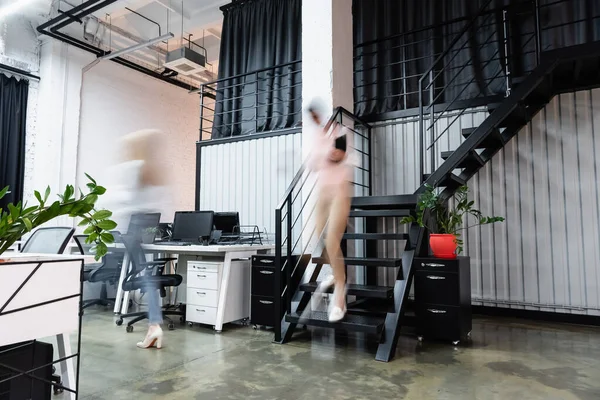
(149, 235)
(444, 223)
(19, 219)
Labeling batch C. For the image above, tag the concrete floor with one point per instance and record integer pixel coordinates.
(507, 359)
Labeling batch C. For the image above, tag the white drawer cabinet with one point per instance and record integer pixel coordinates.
(207, 283)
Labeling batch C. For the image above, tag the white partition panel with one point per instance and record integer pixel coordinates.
(249, 176)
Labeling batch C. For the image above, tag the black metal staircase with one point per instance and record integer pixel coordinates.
(566, 69)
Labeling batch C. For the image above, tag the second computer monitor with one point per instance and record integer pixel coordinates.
(227, 222)
(192, 226)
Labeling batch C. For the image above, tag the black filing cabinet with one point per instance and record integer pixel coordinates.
(443, 298)
(262, 311)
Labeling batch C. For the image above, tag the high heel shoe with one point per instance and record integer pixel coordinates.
(317, 297)
(152, 339)
(336, 313)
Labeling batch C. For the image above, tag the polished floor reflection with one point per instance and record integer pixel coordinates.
(507, 359)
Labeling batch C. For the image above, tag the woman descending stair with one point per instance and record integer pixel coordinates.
(332, 158)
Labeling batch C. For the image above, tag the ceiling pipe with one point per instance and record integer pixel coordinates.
(136, 47)
(83, 10)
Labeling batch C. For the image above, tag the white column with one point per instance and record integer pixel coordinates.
(327, 69)
(58, 118)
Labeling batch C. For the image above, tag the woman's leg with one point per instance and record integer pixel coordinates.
(154, 307)
(338, 219)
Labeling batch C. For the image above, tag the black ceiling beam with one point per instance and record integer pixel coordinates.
(62, 17)
(95, 6)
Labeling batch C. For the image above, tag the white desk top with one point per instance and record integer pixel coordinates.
(206, 249)
(8, 257)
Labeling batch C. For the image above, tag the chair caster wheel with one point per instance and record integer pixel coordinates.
(129, 328)
(456, 342)
(420, 338)
(190, 324)
(58, 391)
(255, 327)
(119, 322)
(171, 327)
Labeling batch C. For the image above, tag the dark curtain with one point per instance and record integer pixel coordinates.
(396, 41)
(259, 34)
(13, 115)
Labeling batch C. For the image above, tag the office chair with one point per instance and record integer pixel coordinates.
(135, 281)
(107, 271)
(51, 240)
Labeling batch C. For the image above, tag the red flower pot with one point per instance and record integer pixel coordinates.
(443, 245)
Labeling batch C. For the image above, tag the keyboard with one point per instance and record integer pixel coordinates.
(175, 243)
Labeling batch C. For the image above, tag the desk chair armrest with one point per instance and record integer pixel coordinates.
(152, 264)
(166, 259)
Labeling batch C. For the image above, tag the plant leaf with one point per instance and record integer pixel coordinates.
(107, 237)
(102, 214)
(107, 224)
(4, 192)
(28, 224)
(91, 179)
(47, 194)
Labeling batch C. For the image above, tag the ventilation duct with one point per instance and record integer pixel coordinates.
(186, 61)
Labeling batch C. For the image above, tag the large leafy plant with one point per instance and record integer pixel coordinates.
(445, 220)
(19, 219)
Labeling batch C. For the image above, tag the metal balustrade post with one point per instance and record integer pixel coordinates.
(278, 256)
(201, 111)
(288, 264)
(538, 32)
(256, 104)
(506, 52)
(421, 136)
(432, 118)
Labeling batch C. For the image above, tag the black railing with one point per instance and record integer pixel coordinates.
(527, 29)
(298, 206)
(260, 101)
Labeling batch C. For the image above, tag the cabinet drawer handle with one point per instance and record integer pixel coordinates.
(266, 261)
(265, 272)
(434, 277)
(199, 310)
(435, 311)
(434, 265)
(265, 302)
(199, 267)
(201, 293)
(201, 276)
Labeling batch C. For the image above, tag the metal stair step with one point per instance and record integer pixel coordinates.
(493, 141)
(367, 262)
(379, 213)
(378, 292)
(355, 323)
(473, 159)
(376, 236)
(404, 201)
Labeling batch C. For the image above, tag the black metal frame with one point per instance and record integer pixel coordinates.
(52, 28)
(288, 216)
(29, 373)
(210, 90)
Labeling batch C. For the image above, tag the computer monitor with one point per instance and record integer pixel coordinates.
(227, 222)
(192, 226)
(140, 222)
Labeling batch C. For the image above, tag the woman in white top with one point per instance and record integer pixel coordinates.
(142, 189)
(332, 157)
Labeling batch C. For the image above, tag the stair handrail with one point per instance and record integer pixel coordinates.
(431, 107)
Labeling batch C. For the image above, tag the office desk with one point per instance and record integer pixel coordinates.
(40, 297)
(225, 256)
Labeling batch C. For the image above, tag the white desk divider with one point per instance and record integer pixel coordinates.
(40, 296)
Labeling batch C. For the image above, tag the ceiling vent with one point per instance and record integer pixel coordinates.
(186, 61)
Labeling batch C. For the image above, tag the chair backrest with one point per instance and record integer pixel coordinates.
(84, 248)
(133, 246)
(51, 240)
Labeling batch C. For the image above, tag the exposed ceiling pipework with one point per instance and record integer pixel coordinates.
(138, 37)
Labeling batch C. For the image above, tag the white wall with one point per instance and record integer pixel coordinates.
(116, 101)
